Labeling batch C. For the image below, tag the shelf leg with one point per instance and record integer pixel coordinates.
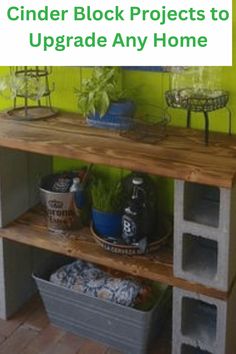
(20, 173)
(206, 127)
(188, 118)
(16, 285)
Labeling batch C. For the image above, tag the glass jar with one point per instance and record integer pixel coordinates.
(196, 80)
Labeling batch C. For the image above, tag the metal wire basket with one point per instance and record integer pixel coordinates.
(197, 101)
(150, 127)
(31, 84)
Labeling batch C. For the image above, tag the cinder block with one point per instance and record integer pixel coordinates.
(201, 204)
(198, 207)
(17, 263)
(19, 176)
(16, 286)
(38, 167)
(204, 229)
(19, 179)
(14, 193)
(203, 324)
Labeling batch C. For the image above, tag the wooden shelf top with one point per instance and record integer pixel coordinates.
(31, 229)
(181, 155)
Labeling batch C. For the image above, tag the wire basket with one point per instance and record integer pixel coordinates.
(150, 127)
(202, 101)
(29, 83)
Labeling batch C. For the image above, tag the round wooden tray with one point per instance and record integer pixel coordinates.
(132, 250)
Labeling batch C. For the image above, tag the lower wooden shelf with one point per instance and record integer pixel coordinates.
(31, 229)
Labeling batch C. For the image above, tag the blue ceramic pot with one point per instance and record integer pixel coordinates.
(119, 116)
(107, 225)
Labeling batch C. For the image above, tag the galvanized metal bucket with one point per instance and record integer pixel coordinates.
(62, 214)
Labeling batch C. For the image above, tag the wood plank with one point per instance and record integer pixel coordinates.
(2, 339)
(68, 344)
(113, 351)
(92, 347)
(8, 327)
(31, 229)
(18, 341)
(181, 155)
(44, 341)
(38, 319)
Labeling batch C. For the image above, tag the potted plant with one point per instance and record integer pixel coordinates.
(107, 204)
(103, 101)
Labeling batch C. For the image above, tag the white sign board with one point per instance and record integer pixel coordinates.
(116, 32)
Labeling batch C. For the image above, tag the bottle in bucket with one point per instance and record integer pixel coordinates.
(79, 198)
(78, 189)
(59, 203)
(135, 227)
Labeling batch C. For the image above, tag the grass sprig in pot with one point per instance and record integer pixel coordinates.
(107, 202)
(103, 101)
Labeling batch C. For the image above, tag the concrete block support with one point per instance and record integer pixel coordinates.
(19, 178)
(16, 286)
(202, 324)
(204, 230)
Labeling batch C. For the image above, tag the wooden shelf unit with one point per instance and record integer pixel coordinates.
(181, 155)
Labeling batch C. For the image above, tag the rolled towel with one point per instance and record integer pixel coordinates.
(88, 279)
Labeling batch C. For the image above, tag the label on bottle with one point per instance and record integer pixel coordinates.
(129, 228)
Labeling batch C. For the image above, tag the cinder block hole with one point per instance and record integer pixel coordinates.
(188, 349)
(199, 320)
(200, 256)
(201, 204)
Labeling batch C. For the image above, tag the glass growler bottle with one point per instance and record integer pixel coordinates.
(135, 227)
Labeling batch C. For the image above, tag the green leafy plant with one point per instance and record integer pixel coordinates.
(102, 88)
(107, 196)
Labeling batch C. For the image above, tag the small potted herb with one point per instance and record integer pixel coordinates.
(103, 101)
(107, 204)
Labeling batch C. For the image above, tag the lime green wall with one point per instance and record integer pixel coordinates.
(150, 87)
